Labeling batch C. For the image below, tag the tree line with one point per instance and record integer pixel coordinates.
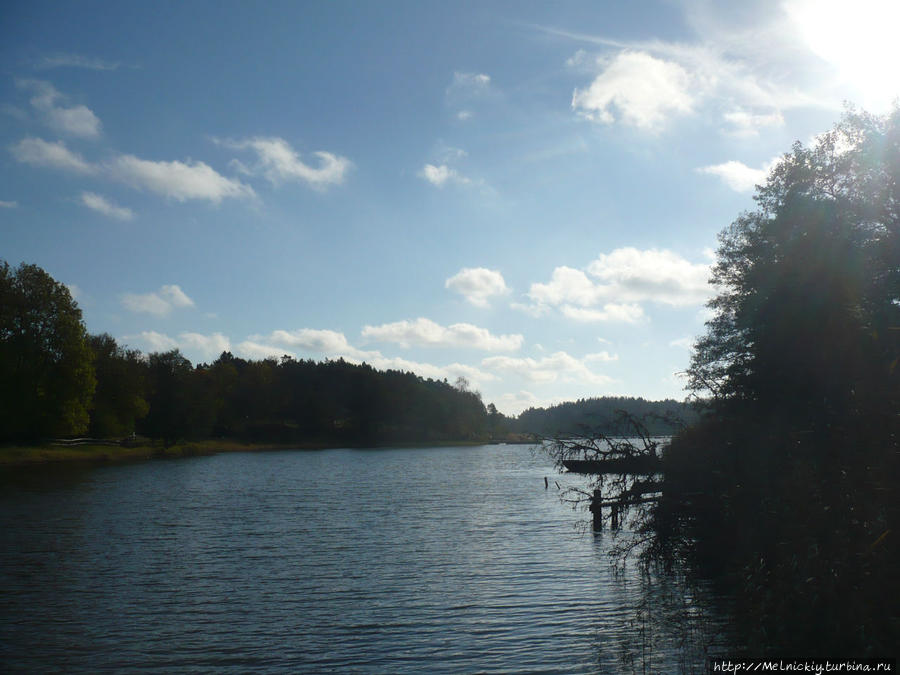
(603, 415)
(787, 486)
(59, 381)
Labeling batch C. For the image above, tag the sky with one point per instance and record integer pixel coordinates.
(523, 194)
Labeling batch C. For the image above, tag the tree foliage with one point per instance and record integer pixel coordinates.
(120, 398)
(788, 482)
(46, 368)
(806, 320)
(603, 416)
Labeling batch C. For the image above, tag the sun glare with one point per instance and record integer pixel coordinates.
(859, 39)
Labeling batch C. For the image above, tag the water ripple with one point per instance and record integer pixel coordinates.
(452, 560)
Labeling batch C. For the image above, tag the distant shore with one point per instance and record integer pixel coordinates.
(38, 455)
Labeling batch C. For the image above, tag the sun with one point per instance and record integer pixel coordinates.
(859, 39)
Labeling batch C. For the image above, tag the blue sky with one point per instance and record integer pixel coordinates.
(523, 194)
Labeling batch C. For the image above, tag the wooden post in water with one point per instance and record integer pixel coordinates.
(614, 520)
(596, 508)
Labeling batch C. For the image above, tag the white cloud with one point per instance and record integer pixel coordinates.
(280, 163)
(470, 82)
(38, 152)
(250, 349)
(208, 345)
(535, 310)
(177, 180)
(611, 312)
(744, 123)
(475, 376)
(77, 120)
(657, 275)
(558, 366)
(8, 205)
(160, 303)
(602, 357)
(325, 342)
(74, 291)
(468, 91)
(107, 208)
(441, 175)
(157, 342)
(424, 332)
(578, 59)
(738, 176)
(477, 284)
(683, 343)
(334, 345)
(75, 61)
(514, 403)
(566, 286)
(743, 60)
(615, 283)
(643, 89)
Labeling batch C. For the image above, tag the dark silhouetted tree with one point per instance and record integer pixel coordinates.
(45, 364)
(120, 397)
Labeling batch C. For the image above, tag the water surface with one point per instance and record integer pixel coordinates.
(451, 560)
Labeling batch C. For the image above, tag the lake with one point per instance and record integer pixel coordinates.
(441, 560)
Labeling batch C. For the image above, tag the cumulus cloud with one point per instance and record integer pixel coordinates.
(559, 366)
(209, 346)
(280, 163)
(159, 303)
(324, 342)
(107, 208)
(613, 286)
(157, 342)
(38, 152)
(513, 403)
(751, 63)
(177, 180)
(333, 344)
(250, 349)
(477, 285)
(475, 376)
(424, 332)
(656, 275)
(442, 175)
(77, 120)
(195, 344)
(738, 176)
(643, 89)
(567, 286)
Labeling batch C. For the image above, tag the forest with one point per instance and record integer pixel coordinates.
(785, 490)
(61, 381)
(604, 415)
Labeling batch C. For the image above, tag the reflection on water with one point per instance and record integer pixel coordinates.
(428, 560)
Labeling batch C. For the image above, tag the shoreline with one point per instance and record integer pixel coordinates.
(53, 455)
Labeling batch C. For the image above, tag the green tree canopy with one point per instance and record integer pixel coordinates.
(120, 397)
(45, 362)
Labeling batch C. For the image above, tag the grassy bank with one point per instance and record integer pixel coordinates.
(31, 455)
